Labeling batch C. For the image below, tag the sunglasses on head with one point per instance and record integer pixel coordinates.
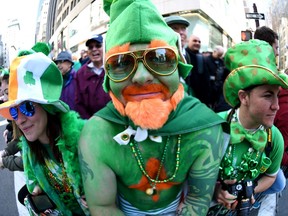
(97, 45)
(27, 108)
(160, 61)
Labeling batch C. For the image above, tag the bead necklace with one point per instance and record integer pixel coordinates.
(247, 167)
(136, 151)
(62, 187)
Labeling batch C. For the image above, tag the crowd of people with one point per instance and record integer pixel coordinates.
(144, 123)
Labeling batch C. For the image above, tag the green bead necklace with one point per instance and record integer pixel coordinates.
(247, 169)
(135, 149)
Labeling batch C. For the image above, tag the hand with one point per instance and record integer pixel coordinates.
(224, 197)
(5, 133)
(37, 190)
(83, 201)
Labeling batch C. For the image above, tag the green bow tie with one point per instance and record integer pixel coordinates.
(257, 139)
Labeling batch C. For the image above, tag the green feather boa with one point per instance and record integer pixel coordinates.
(68, 146)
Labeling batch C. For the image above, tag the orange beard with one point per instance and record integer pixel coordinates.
(151, 113)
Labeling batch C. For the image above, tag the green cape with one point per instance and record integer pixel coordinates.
(190, 115)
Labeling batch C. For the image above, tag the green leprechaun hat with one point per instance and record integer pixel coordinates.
(34, 77)
(251, 63)
(42, 47)
(139, 21)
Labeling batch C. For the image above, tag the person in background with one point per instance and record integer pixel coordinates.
(8, 159)
(266, 34)
(84, 58)
(8, 132)
(217, 73)
(90, 96)
(65, 65)
(198, 79)
(76, 63)
(255, 151)
(148, 128)
(180, 24)
(282, 124)
(48, 132)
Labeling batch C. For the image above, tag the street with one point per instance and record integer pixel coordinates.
(282, 202)
(9, 185)
(7, 195)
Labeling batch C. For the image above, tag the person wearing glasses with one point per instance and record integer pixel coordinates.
(90, 96)
(48, 133)
(152, 140)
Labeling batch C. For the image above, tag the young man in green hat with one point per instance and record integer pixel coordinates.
(252, 88)
(141, 150)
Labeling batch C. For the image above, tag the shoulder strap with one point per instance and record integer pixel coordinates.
(268, 147)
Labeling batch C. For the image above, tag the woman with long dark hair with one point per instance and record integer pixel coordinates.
(49, 134)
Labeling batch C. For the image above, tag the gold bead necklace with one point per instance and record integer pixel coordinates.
(136, 151)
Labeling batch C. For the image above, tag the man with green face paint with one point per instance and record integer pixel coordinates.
(153, 150)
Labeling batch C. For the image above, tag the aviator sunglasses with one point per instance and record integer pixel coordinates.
(160, 61)
(26, 108)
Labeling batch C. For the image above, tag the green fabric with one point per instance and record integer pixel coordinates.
(77, 65)
(34, 77)
(68, 146)
(4, 71)
(51, 79)
(42, 47)
(190, 115)
(275, 155)
(145, 24)
(143, 20)
(257, 139)
(251, 63)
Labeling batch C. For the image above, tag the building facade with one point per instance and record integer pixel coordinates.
(71, 22)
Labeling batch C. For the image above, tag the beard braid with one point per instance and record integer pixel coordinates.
(149, 113)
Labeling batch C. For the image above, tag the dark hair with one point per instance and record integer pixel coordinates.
(5, 78)
(54, 132)
(266, 34)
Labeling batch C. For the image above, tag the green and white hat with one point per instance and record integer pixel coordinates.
(139, 21)
(251, 63)
(34, 77)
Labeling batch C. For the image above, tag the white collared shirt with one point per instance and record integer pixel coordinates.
(96, 70)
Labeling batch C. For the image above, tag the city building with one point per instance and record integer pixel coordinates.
(67, 24)
(71, 22)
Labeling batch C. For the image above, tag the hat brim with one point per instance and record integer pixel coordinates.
(250, 75)
(56, 61)
(92, 40)
(59, 106)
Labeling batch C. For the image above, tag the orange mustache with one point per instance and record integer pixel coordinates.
(151, 90)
